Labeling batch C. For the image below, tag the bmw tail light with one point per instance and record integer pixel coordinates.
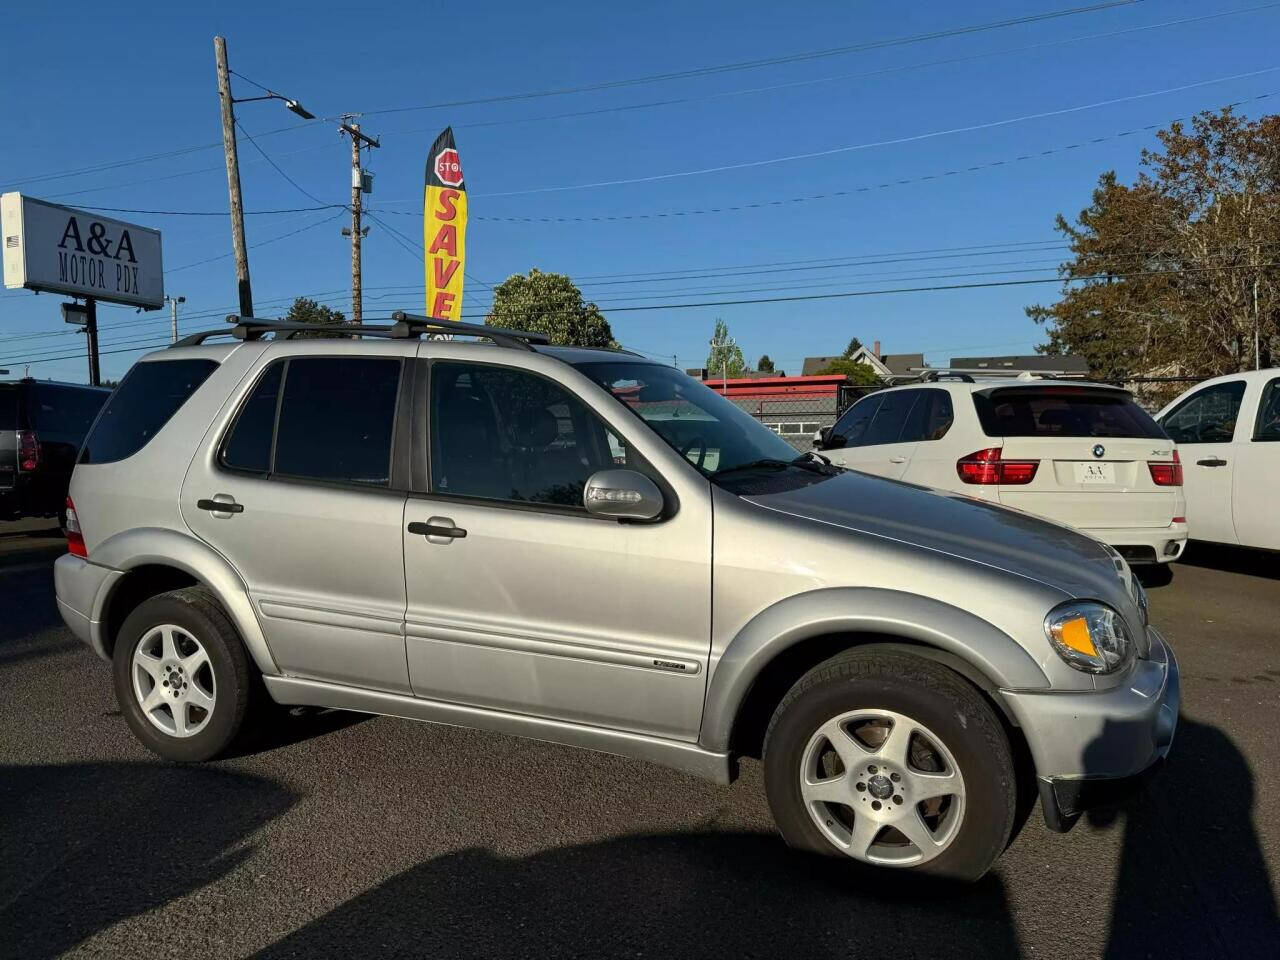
(28, 450)
(75, 539)
(987, 467)
(1166, 473)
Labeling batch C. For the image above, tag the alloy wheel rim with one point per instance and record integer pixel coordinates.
(173, 681)
(882, 788)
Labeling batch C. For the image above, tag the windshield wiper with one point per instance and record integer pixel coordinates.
(811, 459)
(760, 464)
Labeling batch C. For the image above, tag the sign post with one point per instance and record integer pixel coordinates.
(57, 249)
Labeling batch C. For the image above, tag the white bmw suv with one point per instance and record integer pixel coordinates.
(1083, 454)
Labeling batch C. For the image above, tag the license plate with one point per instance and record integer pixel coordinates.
(1090, 473)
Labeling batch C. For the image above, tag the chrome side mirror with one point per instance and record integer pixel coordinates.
(622, 495)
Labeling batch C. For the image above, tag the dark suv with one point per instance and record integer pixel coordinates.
(42, 425)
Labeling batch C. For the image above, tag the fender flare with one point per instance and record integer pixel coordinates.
(893, 614)
(144, 546)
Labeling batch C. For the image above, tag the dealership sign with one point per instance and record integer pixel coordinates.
(62, 250)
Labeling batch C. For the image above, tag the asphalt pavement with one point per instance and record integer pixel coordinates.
(341, 835)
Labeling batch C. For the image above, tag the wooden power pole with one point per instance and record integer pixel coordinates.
(233, 178)
(358, 139)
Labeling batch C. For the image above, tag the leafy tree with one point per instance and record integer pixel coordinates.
(725, 358)
(306, 310)
(859, 373)
(854, 346)
(1172, 274)
(765, 365)
(549, 303)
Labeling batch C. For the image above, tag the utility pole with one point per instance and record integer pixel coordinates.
(357, 188)
(233, 178)
(173, 314)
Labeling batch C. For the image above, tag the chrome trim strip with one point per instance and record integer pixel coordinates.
(304, 613)
(494, 640)
(687, 757)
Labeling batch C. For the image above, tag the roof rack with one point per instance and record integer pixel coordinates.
(405, 326)
(972, 374)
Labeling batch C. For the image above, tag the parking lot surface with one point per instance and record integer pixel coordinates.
(341, 835)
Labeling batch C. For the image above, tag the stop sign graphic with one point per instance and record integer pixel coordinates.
(449, 167)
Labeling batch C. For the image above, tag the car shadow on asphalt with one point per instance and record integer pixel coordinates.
(1244, 560)
(290, 725)
(1193, 879)
(697, 894)
(79, 849)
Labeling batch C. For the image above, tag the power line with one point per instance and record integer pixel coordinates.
(764, 62)
(260, 243)
(297, 186)
(885, 71)
(893, 141)
(212, 213)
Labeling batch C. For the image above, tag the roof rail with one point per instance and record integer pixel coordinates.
(405, 326)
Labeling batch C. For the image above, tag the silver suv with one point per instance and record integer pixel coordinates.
(587, 547)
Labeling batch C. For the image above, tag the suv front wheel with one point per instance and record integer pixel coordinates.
(181, 675)
(893, 761)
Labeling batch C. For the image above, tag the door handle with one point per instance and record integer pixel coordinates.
(897, 459)
(1212, 462)
(437, 527)
(220, 506)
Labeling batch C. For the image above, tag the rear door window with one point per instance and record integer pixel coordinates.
(1062, 412)
(248, 445)
(1207, 416)
(337, 417)
(1268, 425)
(149, 395)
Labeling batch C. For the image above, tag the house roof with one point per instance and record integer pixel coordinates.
(813, 364)
(1036, 361)
(885, 365)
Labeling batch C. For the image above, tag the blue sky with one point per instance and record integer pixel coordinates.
(85, 85)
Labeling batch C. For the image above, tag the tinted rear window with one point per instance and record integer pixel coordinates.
(64, 411)
(1062, 412)
(150, 394)
(8, 408)
(337, 416)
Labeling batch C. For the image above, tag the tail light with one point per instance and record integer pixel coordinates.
(1166, 474)
(28, 450)
(75, 539)
(986, 467)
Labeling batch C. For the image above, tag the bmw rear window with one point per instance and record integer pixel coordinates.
(1062, 412)
(148, 396)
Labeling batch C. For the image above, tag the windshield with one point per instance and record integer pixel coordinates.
(710, 432)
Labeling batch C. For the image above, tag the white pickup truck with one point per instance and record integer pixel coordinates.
(1228, 431)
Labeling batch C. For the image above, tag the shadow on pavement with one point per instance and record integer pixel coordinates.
(1152, 575)
(1245, 560)
(666, 895)
(84, 846)
(289, 725)
(1193, 880)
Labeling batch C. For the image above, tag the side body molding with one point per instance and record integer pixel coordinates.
(156, 545)
(892, 613)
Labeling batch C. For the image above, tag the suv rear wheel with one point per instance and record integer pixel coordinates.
(893, 761)
(181, 675)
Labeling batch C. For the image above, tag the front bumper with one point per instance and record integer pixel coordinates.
(1091, 749)
(82, 589)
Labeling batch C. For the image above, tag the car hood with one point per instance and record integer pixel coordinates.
(960, 526)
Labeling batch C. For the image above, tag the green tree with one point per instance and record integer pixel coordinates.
(306, 310)
(725, 358)
(549, 303)
(765, 365)
(854, 346)
(858, 373)
(1173, 274)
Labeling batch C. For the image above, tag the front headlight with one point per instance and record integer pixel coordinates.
(1090, 636)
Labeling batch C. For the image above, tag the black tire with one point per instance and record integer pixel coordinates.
(926, 692)
(199, 614)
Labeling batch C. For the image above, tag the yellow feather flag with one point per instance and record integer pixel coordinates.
(444, 229)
